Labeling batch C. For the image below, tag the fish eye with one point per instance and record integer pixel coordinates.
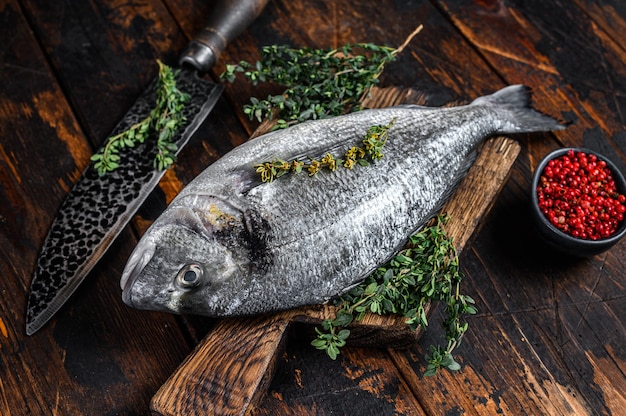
(189, 276)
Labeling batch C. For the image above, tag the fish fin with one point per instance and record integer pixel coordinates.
(519, 116)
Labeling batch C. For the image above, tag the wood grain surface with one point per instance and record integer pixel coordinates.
(549, 338)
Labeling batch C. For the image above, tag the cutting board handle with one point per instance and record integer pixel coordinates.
(228, 20)
(228, 371)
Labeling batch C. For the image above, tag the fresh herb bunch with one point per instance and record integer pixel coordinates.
(319, 83)
(373, 143)
(165, 119)
(426, 270)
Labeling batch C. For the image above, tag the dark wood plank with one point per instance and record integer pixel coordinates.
(496, 377)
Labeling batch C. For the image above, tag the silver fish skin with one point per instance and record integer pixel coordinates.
(230, 245)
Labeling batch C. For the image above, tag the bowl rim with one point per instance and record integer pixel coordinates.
(620, 184)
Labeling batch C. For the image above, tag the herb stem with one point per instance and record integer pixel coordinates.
(408, 40)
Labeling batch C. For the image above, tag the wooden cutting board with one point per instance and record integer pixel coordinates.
(229, 371)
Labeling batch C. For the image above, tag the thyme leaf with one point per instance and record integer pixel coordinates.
(426, 270)
(164, 120)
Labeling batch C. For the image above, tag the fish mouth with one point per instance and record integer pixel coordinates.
(138, 260)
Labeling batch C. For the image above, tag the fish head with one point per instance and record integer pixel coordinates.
(189, 259)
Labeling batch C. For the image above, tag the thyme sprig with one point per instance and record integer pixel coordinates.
(426, 270)
(164, 120)
(319, 83)
(373, 143)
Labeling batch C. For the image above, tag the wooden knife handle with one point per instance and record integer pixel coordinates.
(228, 371)
(228, 20)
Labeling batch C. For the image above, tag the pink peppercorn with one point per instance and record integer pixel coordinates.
(578, 195)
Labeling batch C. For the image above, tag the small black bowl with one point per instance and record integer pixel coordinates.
(557, 239)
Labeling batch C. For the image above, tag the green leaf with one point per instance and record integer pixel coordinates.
(454, 366)
(342, 319)
(388, 306)
(343, 334)
(371, 288)
(332, 351)
(324, 82)
(402, 259)
(318, 343)
(327, 324)
(375, 307)
(166, 117)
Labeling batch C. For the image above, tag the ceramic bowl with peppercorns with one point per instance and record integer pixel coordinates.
(579, 201)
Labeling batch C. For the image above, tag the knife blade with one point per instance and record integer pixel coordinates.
(99, 206)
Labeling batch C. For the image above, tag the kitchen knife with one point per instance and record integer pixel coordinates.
(99, 207)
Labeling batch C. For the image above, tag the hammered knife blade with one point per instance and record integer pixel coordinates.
(99, 207)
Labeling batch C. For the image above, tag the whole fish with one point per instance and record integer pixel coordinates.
(231, 245)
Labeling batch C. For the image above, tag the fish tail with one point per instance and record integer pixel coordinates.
(518, 116)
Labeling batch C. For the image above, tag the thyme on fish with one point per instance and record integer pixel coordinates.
(164, 119)
(426, 270)
(373, 143)
(319, 83)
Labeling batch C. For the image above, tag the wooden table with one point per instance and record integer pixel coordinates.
(549, 337)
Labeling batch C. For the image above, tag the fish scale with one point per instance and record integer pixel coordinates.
(301, 240)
